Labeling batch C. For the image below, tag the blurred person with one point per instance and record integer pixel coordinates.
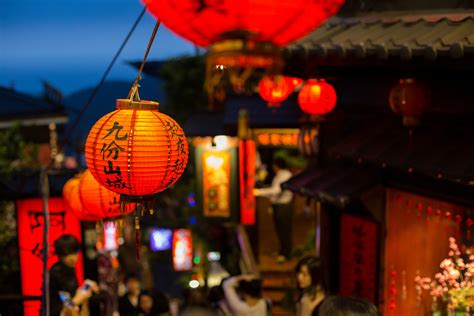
(145, 303)
(218, 302)
(196, 304)
(310, 285)
(66, 297)
(128, 303)
(281, 205)
(251, 302)
(347, 306)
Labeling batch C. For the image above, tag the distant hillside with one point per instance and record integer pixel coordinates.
(104, 102)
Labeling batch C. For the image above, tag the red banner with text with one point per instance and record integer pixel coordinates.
(30, 239)
(358, 257)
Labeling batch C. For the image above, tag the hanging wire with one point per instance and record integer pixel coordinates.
(104, 76)
(133, 94)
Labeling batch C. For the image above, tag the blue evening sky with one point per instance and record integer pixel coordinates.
(70, 42)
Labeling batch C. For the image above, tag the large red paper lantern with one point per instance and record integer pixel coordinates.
(208, 22)
(410, 98)
(97, 201)
(136, 151)
(242, 35)
(275, 89)
(317, 97)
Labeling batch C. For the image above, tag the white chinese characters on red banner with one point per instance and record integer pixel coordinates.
(358, 257)
(30, 239)
(182, 250)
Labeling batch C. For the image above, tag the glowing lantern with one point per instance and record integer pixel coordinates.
(317, 97)
(275, 89)
(410, 98)
(98, 201)
(242, 34)
(136, 151)
(73, 202)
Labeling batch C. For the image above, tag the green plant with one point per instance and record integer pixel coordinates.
(15, 152)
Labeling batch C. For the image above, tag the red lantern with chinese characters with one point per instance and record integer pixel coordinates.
(275, 89)
(242, 34)
(97, 201)
(410, 98)
(136, 151)
(317, 97)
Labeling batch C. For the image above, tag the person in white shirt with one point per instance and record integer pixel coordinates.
(251, 303)
(281, 204)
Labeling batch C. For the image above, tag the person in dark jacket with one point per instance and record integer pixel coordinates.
(63, 277)
(128, 304)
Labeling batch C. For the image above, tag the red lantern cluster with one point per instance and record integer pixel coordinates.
(317, 97)
(410, 98)
(136, 151)
(276, 89)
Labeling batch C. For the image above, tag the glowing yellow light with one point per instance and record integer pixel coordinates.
(214, 161)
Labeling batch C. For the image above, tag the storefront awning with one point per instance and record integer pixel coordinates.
(442, 152)
(337, 185)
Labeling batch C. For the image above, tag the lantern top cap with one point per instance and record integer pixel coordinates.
(124, 104)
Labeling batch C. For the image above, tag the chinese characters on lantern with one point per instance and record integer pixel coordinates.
(177, 167)
(358, 255)
(182, 250)
(114, 143)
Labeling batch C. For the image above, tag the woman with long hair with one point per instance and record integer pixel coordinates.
(311, 286)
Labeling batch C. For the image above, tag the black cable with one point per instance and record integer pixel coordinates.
(102, 80)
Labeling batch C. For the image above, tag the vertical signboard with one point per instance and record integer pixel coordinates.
(247, 156)
(30, 240)
(182, 250)
(358, 257)
(216, 183)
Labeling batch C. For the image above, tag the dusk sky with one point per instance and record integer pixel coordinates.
(70, 43)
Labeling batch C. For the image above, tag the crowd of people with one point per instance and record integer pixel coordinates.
(236, 296)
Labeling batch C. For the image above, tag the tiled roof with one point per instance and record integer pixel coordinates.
(17, 105)
(426, 35)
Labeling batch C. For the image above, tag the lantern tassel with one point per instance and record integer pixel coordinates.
(137, 235)
(98, 230)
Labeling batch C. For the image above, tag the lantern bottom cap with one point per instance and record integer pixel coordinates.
(146, 202)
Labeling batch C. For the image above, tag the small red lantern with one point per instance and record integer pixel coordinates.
(136, 151)
(275, 89)
(97, 201)
(317, 97)
(73, 202)
(410, 98)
